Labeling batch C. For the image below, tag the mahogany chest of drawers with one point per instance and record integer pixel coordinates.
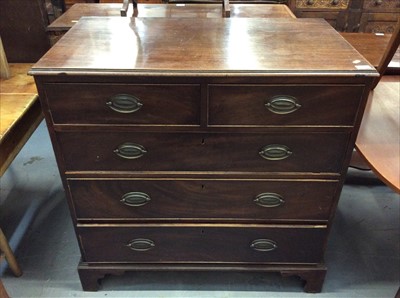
(216, 144)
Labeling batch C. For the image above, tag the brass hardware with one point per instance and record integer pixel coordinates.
(263, 245)
(335, 2)
(283, 104)
(378, 2)
(135, 199)
(275, 152)
(310, 2)
(124, 103)
(141, 244)
(269, 200)
(130, 151)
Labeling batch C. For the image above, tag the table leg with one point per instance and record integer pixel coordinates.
(3, 292)
(12, 262)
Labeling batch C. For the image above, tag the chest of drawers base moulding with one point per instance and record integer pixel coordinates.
(313, 276)
(162, 140)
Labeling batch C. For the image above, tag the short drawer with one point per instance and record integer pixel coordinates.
(133, 199)
(385, 5)
(272, 152)
(321, 4)
(208, 243)
(124, 104)
(283, 105)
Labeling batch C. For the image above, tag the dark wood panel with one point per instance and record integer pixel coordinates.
(23, 30)
(88, 103)
(206, 243)
(203, 199)
(319, 105)
(204, 152)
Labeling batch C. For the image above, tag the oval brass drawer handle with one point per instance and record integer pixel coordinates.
(275, 152)
(141, 244)
(130, 151)
(124, 103)
(263, 245)
(282, 104)
(269, 200)
(135, 199)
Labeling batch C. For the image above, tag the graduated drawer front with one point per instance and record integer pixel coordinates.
(202, 199)
(97, 151)
(114, 104)
(237, 105)
(208, 243)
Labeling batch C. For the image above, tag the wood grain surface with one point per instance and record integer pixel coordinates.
(203, 46)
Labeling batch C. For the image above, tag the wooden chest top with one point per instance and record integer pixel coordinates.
(200, 47)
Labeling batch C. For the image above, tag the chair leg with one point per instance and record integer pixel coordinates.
(12, 262)
(3, 292)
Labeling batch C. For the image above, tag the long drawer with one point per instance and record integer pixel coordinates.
(263, 105)
(124, 103)
(155, 199)
(207, 243)
(269, 152)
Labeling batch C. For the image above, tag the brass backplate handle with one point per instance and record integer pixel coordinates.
(282, 104)
(130, 150)
(135, 199)
(275, 152)
(269, 200)
(124, 103)
(263, 245)
(141, 244)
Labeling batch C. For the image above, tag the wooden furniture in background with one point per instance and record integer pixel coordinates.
(379, 139)
(370, 16)
(392, 47)
(71, 17)
(8, 255)
(70, 3)
(333, 11)
(370, 45)
(379, 15)
(20, 114)
(23, 30)
(351, 15)
(5, 249)
(207, 148)
(5, 72)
